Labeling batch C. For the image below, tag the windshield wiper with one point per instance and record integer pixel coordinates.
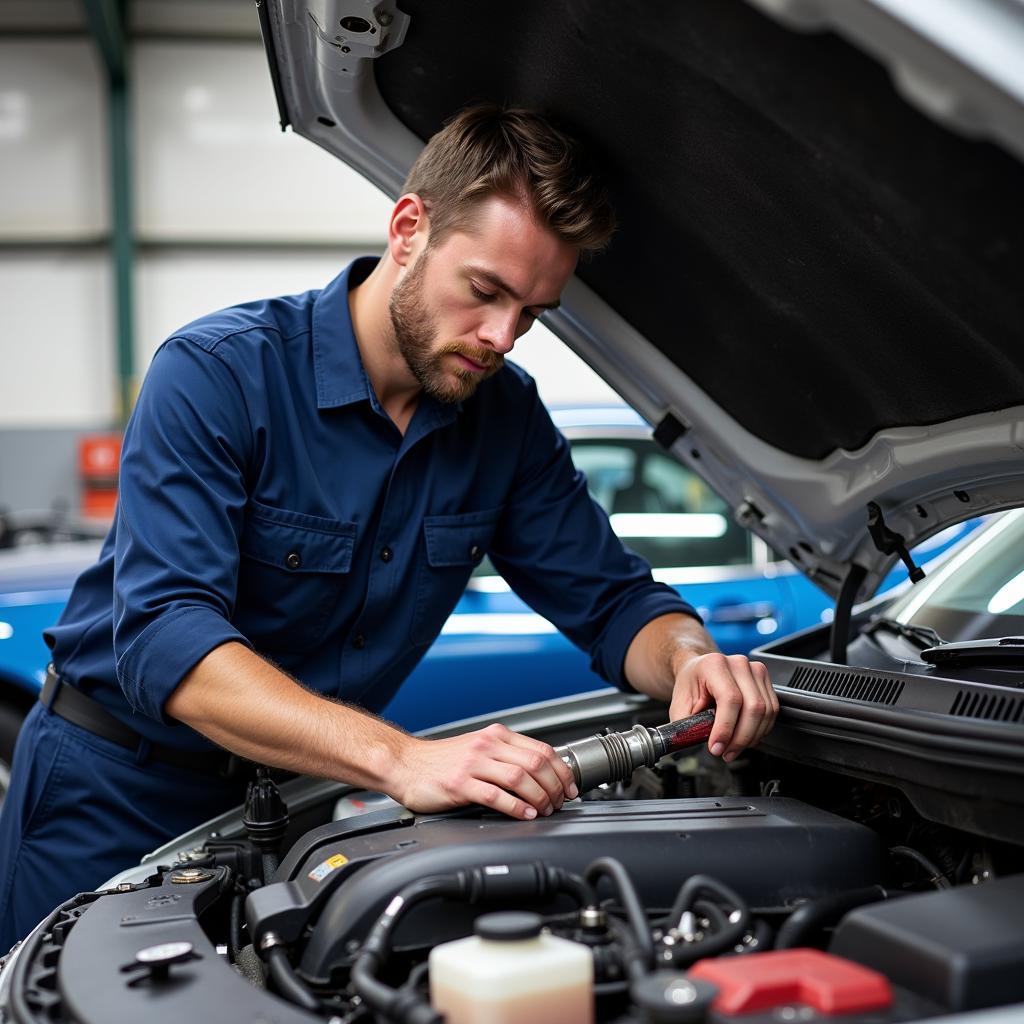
(922, 637)
(1003, 652)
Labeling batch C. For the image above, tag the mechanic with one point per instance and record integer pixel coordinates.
(306, 485)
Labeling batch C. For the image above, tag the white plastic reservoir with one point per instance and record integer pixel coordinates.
(510, 973)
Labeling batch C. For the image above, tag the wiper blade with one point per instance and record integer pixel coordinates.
(923, 637)
(1002, 651)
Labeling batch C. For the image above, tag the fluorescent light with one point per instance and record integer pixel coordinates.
(498, 624)
(669, 524)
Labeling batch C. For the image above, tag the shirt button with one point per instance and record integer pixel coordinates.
(359, 641)
(474, 552)
(293, 560)
(386, 554)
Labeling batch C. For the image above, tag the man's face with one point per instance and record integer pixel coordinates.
(462, 304)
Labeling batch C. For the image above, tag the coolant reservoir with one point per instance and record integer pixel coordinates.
(509, 973)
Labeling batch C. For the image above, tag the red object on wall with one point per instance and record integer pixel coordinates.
(99, 456)
(763, 981)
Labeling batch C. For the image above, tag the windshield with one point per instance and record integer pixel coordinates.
(978, 593)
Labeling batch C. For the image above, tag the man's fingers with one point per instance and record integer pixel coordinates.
(755, 707)
(487, 795)
(518, 780)
(718, 680)
(553, 773)
(760, 673)
(746, 704)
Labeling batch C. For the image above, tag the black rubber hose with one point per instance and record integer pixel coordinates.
(286, 983)
(633, 959)
(612, 869)
(720, 940)
(400, 1004)
(235, 926)
(579, 888)
(391, 1003)
(810, 917)
(697, 884)
(936, 877)
(269, 862)
(405, 1004)
(717, 917)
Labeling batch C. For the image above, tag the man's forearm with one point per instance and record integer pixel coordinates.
(241, 702)
(656, 655)
(244, 704)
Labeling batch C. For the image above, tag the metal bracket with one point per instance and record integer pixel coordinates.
(358, 29)
(889, 542)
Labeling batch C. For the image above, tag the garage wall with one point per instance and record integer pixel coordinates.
(227, 208)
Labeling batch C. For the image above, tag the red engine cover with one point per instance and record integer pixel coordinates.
(763, 981)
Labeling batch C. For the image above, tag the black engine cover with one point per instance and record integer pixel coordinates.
(772, 851)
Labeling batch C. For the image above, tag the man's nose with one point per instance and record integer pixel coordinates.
(499, 332)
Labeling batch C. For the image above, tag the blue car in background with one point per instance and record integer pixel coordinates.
(494, 652)
(35, 582)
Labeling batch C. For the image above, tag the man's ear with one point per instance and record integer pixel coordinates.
(408, 229)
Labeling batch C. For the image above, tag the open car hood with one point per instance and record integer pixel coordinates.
(815, 292)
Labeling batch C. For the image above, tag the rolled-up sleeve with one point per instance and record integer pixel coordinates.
(557, 550)
(181, 505)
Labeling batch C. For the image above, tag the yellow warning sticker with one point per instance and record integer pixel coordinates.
(322, 870)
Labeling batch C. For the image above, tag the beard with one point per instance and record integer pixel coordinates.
(415, 330)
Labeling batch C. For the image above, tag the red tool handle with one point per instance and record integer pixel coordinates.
(687, 731)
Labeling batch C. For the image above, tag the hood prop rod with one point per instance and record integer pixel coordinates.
(840, 636)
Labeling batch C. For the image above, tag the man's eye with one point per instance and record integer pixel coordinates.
(484, 296)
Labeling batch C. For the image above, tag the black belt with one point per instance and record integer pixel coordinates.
(75, 707)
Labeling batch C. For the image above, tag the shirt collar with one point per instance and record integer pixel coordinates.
(340, 376)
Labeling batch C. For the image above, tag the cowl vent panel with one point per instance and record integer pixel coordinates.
(989, 706)
(849, 685)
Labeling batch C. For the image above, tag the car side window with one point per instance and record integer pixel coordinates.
(658, 507)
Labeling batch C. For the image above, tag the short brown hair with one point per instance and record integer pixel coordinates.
(486, 150)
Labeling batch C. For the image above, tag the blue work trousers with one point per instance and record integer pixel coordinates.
(80, 809)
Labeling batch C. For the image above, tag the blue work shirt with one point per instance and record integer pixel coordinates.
(267, 498)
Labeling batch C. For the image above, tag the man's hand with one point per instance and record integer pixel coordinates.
(253, 709)
(494, 767)
(745, 701)
(673, 658)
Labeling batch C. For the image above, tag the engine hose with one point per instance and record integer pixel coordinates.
(936, 877)
(632, 956)
(613, 870)
(808, 918)
(286, 983)
(697, 884)
(720, 940)
(476, 885)
(268, 859)
(717, 918)
(572, 885)
(235, 926)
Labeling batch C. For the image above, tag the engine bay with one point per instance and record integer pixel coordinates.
(762, 891)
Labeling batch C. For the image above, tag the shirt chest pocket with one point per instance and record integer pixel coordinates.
(292, 568)
(452, 547)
